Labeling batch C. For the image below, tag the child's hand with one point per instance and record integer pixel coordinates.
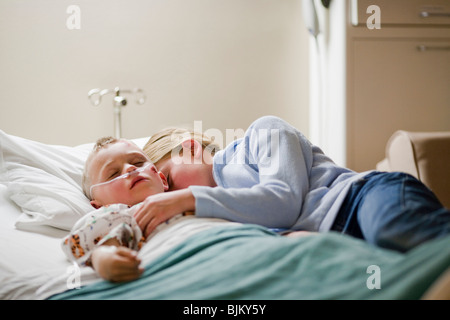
(116, 264)
(160, 207)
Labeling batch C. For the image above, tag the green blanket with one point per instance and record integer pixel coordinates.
(250, 262)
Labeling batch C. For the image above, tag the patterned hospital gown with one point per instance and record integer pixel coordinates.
(113, 221)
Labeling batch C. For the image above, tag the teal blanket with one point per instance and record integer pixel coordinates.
(250, 262)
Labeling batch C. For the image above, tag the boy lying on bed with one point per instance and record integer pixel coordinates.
(118, 176)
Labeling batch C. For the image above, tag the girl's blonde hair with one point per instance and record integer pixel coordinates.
(163, 143)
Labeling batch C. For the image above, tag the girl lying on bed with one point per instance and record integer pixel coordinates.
(276, 178)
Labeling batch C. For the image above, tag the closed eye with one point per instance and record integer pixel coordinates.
(112, 176)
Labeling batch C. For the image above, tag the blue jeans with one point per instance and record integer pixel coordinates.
(392, 210)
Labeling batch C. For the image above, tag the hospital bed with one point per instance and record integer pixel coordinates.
(41, 198)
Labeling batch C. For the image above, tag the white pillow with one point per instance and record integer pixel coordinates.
(45, 180)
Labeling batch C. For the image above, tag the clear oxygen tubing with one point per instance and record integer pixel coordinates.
(123, 176)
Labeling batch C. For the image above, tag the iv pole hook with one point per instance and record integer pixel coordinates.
(95, 96)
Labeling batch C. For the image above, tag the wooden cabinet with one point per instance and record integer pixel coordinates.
(397, 77)
(394, 85)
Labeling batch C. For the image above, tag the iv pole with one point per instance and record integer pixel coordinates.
(95, 96)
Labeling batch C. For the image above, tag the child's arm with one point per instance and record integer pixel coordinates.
(263, 178)
(116, 263)
(106, 226)
(161, 207)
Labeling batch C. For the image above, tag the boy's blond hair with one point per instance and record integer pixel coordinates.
(99, 144)
(163, 143)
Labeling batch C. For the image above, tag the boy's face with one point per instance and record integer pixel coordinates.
(115, 160)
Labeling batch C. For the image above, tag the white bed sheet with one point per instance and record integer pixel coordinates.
(33, 266)
(26, 257)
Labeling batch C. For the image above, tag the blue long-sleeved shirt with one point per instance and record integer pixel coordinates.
(275, 177)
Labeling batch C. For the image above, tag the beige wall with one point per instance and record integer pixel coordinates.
(224, 62)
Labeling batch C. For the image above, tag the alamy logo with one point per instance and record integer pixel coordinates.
(73, 22)
(374, 280)
(374, 21)
(265, 154)
(74, 277)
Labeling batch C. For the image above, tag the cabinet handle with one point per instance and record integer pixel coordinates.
(426, 14)
(432, 48)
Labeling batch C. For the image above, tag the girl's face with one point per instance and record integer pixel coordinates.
(123, 159)
(184, 171)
